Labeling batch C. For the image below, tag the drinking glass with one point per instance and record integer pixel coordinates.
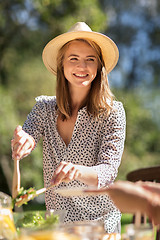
(143, 232)
(7, 227)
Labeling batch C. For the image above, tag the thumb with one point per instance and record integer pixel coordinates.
(17, 129)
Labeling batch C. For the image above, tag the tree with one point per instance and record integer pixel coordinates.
(135, 26)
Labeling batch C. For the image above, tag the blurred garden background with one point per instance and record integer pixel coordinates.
(25, 28)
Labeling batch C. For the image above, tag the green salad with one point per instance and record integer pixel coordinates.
(24, 195)
(37, 220)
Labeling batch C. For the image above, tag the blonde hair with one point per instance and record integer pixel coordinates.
(100, 97)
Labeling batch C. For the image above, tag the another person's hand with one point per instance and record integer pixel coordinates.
(141, 197)
(65, 172)
(21, 144)
(129, 197)
(151, 186)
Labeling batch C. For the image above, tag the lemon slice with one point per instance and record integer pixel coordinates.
(9, 223)
(7, 228)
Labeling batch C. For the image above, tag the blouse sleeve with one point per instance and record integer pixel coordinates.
(112, 146)
(34, 125)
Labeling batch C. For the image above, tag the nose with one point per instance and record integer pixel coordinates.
(82, 64)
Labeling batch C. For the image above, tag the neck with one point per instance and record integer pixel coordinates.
(78, 97)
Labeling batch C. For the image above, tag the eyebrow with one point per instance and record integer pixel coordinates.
(75, 55)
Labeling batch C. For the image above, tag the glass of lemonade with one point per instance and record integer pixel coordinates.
(7, 227)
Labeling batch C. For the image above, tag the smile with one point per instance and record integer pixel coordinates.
(80, 75)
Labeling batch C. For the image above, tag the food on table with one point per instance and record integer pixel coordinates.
(36, 220)
(24, 196)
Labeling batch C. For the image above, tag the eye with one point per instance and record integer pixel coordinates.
(74, 59)
(90, 59)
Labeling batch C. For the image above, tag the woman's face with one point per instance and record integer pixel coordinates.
(80, 64)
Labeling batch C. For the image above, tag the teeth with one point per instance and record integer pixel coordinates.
(81, 75)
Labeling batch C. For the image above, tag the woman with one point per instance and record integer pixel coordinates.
(83, 128)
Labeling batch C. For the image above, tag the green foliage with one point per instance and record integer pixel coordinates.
(55, 13)
(8, 121)
(125, 220)
(141, 131)
(29, 80)
(31, 169)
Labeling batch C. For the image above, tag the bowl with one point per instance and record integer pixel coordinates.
(46, 219)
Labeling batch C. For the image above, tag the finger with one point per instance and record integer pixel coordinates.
(27, 146)
(19, 144)
(24, 151)
(22, 148)
(12, 144)
(21, 134)
(15, 135)
(21, 155)
(14, 149)
(62, 174)
(17, 130)
(77, 174)
(57, 171)
(60, 167)
(152, 186)
(27, 152)
(154, 213)
(68, 167)
(70, 175)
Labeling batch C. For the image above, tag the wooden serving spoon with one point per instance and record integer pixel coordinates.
(16, 179)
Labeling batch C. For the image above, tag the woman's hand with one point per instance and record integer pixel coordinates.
(65, 172)
(21, 144)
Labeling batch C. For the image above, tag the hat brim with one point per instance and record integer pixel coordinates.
(109, 49)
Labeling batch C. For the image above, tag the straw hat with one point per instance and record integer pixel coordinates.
(80, 30)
